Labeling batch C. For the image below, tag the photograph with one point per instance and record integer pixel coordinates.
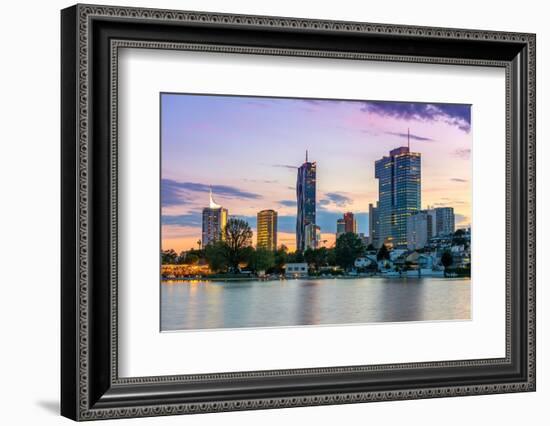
(265, 209)
(285, 212)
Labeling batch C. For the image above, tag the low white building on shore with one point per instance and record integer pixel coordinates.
(296, 270)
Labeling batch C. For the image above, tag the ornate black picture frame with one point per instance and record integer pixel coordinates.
(91, 388)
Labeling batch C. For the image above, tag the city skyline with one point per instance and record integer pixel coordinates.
(247, 175)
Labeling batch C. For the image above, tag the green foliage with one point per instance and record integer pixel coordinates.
(169, 257)
(191, 259)
(309, 256)
(331, 257)
(371, 247)
(238, 239)
(446, 259)
(383, 253)
(348, 248)
(317, 257)
(280, 259)
(296, 257)
(459, 238)
(216, 256)
(261, 259)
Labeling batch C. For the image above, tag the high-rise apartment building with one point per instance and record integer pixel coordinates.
(266, 232)
(214, 219)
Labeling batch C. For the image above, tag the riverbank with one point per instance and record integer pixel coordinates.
(333, 277)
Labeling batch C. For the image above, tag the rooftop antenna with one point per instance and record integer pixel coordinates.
(409, 139)
(306, 155)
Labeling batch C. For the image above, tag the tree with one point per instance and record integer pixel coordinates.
(280, 258)
(331, 257)
(261, 259)
(199, 253)
(446, 259)
(348, 248)
(298, 257)
(191, 259)
(216, 256)
(309, 256)
(180, 260)
(320, 257)
(169, 257)
(459, 238)
(383, 253)
(237, 238)
(316, 257)
(371, 247)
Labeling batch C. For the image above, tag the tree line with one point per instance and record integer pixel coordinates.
(235, 250)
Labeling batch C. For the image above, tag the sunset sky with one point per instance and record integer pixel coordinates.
(248, 150)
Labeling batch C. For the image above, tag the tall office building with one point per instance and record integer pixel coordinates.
(374, 224)
(350, 223)
(419, 230)
(266, 234)
(305, 194)
(398, 194)
(214, 219)
(340, 227)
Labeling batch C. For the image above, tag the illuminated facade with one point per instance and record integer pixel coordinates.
(305, 196)
(266, 234)
(214, 219)
(398, 194)
(350, 223)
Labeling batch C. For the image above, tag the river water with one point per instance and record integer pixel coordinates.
(194, 305)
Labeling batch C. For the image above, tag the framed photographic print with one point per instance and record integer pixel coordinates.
(263, 212)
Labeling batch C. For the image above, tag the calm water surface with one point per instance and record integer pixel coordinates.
(210, 305)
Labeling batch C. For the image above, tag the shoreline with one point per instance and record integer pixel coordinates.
(256, 279)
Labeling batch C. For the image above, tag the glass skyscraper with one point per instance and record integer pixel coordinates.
(398, 194)
(305, 196)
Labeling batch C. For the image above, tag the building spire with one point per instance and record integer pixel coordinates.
(306, 155)
(409, 139)
(213, 204)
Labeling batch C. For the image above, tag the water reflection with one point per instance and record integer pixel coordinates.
(211, 305)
